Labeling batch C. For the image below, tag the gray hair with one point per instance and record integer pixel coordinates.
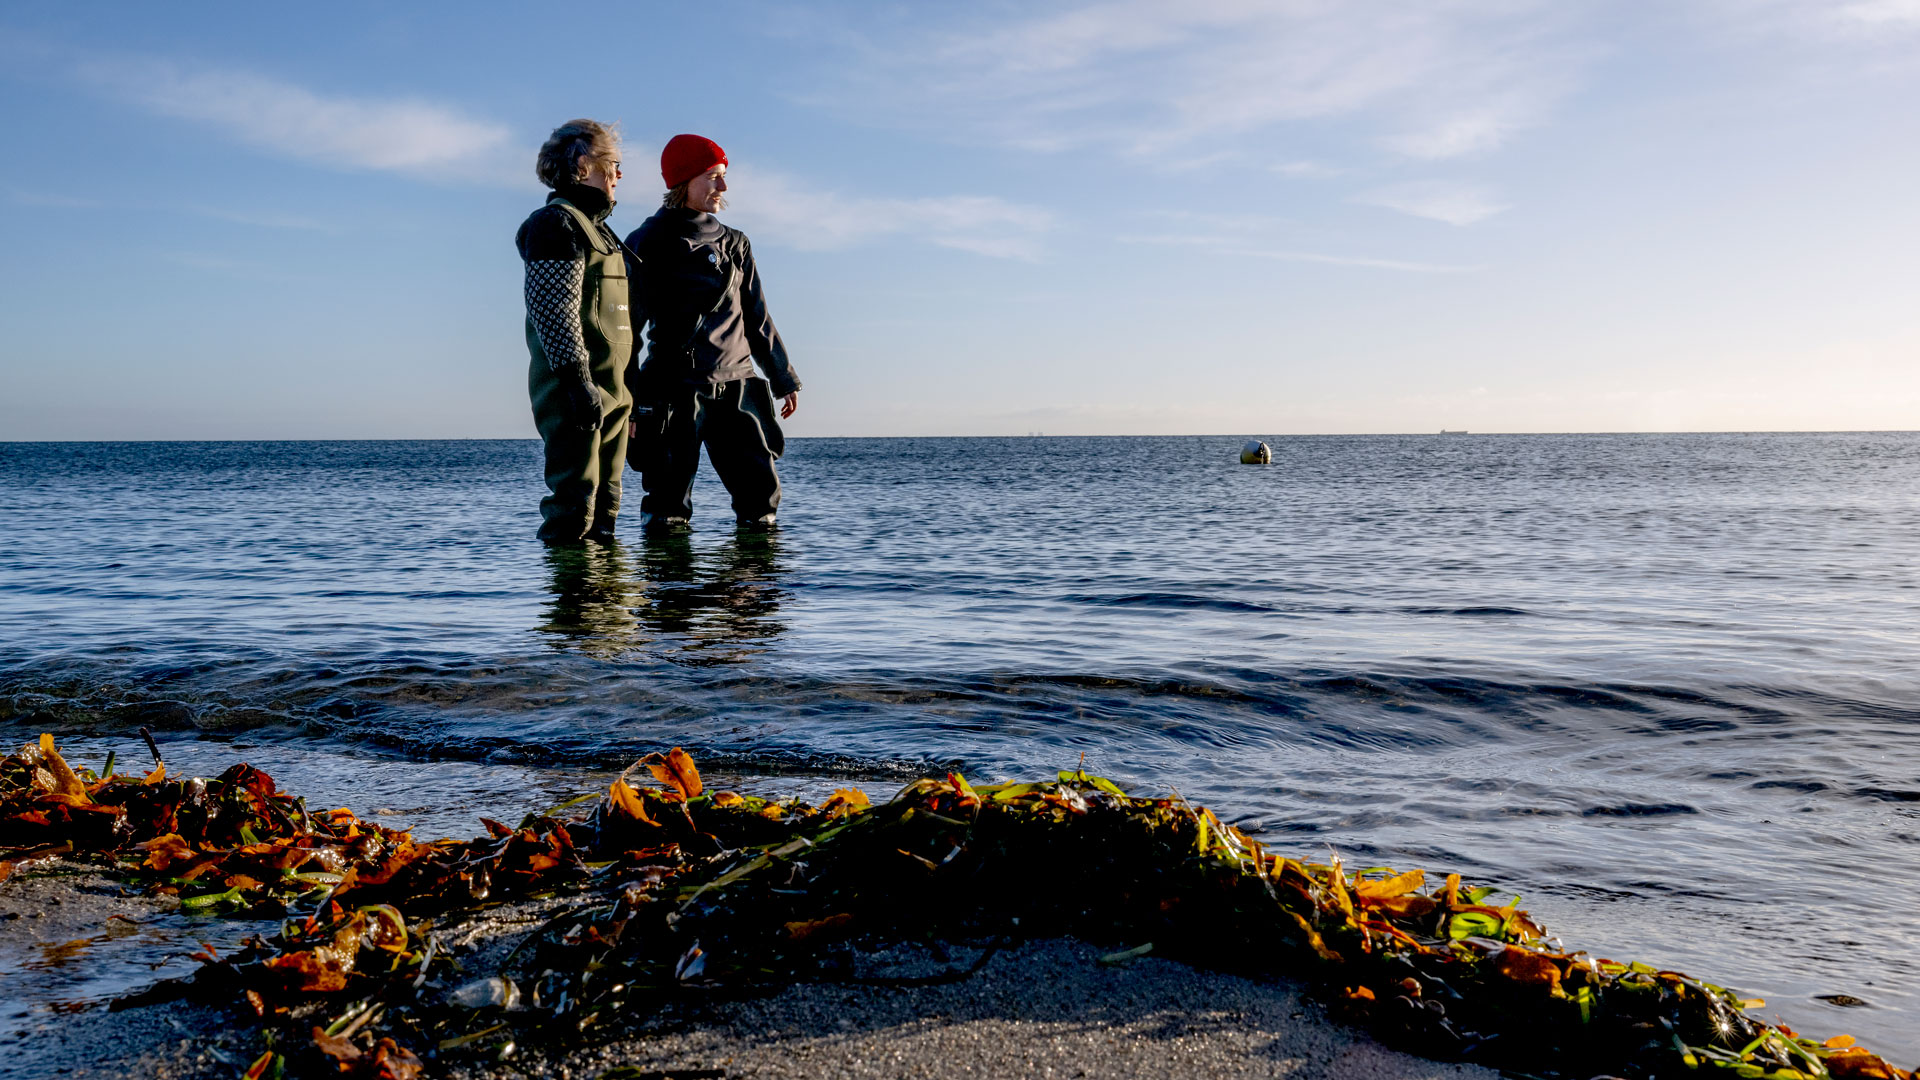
(559, 160)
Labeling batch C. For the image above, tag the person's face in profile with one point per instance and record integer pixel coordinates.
(704, 191)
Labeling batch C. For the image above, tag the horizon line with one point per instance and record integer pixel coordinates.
(1030, 435)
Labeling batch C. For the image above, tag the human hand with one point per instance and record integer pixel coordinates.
(788, 404)
(587, 410)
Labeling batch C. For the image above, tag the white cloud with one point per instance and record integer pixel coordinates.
(1882, 11)
(789, 211)
(1457, 136)
(1455, 204)
(1813, 24)
(1223, 245)
(1166, 81)
(1305, 170)
(391, 135)
(1367, 262)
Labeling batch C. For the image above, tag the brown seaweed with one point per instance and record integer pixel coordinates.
(682, 890)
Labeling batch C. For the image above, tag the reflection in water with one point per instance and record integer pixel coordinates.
(719, 603)
(710, 607)
(594, 594)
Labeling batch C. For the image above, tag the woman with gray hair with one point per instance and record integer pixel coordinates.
(579, 332)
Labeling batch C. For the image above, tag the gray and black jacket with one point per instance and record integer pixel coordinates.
(685, 259)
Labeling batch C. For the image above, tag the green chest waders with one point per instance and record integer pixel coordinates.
(583, 466)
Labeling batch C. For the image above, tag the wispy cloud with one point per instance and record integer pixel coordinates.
(1849, 15)
(1306, 170)
(1885, 25)
(1224, 245)
(1403, 265)
(1165, 81)
(1460, 135)
(261, 220)
(1874, 12)
(794, 213)
(403, 135)
(62, 202)
(201, 260)
(1455, 204)
(218, 213)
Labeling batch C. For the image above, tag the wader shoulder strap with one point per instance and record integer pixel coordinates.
(594, 234)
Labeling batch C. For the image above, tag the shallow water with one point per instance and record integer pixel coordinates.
(1664, 687)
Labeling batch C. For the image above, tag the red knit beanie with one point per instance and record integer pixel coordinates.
(687, 156)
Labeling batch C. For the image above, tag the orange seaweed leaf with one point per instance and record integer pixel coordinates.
(391, 1061)
(1314, 940)
(166, 850)
(1391, 888)
(339, 1049)
(305, 971)
(627, 801)
(803, 929)
(1526, 967)
(1855, 1063)
(64, 780)
(1406, 907)
(851, 797)
(679, 774)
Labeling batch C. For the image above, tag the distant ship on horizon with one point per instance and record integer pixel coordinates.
(1444, 431)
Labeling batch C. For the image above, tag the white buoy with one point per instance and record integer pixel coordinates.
(1255, 453)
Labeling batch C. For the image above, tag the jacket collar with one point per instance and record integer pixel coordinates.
(590, 200)
(688, 224)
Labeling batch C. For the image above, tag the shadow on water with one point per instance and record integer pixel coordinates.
(667, 596)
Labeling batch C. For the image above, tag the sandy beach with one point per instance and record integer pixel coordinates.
(1044, 1008)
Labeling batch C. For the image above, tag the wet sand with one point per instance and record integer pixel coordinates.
(1044, 1008)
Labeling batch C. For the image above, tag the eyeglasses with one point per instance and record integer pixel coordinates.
(613, 167)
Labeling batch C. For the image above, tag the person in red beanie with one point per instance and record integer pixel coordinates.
(697, 292)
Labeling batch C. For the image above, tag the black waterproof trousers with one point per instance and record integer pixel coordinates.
(741, 430)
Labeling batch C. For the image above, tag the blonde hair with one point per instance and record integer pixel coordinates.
(559, 160)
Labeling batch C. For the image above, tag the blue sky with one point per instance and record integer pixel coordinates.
(260, 221)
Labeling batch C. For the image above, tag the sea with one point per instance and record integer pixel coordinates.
(1663, 688)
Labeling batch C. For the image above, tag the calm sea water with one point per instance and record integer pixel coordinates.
(1666, 688)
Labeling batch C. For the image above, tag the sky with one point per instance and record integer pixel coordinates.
(1097, 217)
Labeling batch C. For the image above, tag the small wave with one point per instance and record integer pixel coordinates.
(564, 707)
(1902, 795)
(1638, 810)
(1171, 601)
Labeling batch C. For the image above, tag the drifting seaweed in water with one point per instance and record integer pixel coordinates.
(679, 890)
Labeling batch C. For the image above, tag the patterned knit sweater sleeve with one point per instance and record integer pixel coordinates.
(556, 258)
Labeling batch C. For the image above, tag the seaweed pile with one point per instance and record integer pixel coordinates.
(670, 890)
